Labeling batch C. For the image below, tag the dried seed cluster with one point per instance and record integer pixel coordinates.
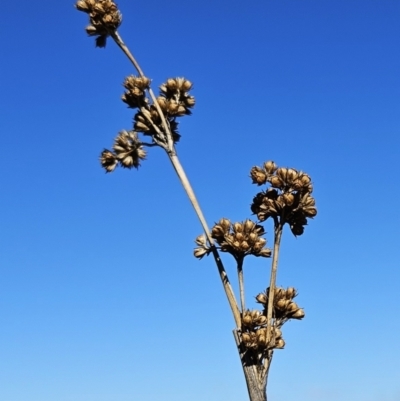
(239, 239)
(288, 199)
(257, 339)
(254, 332)
(254, 323)
(127, 151)
(158, 119)
(104, 18)
(135, 94)
(174, 101)
(284, 306)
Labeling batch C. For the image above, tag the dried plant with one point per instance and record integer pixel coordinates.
(286, 200)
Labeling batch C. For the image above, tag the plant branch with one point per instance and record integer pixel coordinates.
(186, 184)
(222, 273)
(241, 282)
(118, 40)
(277, 241)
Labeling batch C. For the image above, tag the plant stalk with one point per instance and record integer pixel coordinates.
(186, 185)
(241, 283)
(222, 273)
(277, 242)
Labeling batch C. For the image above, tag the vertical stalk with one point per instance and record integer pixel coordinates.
(222, 273)
(274, 268)
(241, 283)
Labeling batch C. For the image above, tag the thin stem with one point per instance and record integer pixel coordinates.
(222, 273)
(274, 268)
(241, 283)
(186, 185)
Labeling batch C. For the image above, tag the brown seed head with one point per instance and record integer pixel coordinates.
(108, 160)
(262, 298)
(270, 167)
(299, 314)
(258, 175)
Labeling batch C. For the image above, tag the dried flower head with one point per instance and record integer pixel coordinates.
(149, 123)
(284, 306)
(135, 91)
(253, 318)
(177, 101)
(108, 160)
(289, 198)
(128, 149)
(203, 249)
(105, 18)
(240, 239)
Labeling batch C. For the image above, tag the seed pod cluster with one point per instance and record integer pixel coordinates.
(240, 239)
(175, 99)
(256, 339)
(203, 249)
(288, 199)
(104, 18)
(135, 91)
(284, 306)
(148, 121)
(128, 151)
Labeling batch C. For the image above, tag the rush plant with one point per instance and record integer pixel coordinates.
(286, 200)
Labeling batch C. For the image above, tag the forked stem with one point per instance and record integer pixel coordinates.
(186, 185)
(222, 273)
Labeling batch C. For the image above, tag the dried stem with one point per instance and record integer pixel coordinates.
(222, 273)
(277, 241)
(186, 185)
(241, 283)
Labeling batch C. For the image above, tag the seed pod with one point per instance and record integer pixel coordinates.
(292, 307)
(276, 182)
(279, 293)
(291, 293)
(281, 304)
(270, 167)
(258, 176)
(201, 240)
(200, 252)
(288, 198)
(82, 6)
(281, 172)
(299, 314)
(237, 227)
(261, 320)
(280, 344)
(262, 298)
(291, 175)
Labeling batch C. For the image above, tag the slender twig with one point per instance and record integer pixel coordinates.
(186, 185)
(241, 283)
(277, 241)
(223, 275)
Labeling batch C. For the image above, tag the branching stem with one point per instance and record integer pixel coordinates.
(186, 185)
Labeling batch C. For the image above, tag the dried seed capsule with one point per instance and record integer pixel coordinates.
(299, 314)
(270, 167)
(262, 298)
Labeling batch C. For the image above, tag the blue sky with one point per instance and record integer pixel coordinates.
(100, 296)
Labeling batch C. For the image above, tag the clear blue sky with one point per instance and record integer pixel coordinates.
(100, 296)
